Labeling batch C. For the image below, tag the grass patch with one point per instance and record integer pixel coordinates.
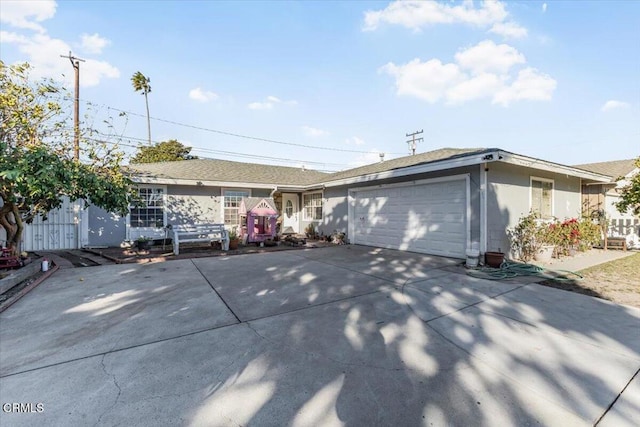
(616, 281)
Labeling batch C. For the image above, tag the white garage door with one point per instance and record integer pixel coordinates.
(426, 217)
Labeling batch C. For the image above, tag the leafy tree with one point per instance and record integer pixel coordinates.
(141, 84)
(37, 168)
(166, 151)
(630, 193)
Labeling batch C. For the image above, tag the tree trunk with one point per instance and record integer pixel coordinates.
(146, 101)
(11, 221)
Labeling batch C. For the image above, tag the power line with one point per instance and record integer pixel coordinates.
(237, 135)
(212, 151)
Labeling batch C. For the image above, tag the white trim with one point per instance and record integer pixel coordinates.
(304, 210)
(128, 227)
(417, 182)
(468, 219)
(222, 184)
(553, 192)
(484, 194)
(222, 190)
(409, 170)
(352, 192)
(530, 162)
(471, 159)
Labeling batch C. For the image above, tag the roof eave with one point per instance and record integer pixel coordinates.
(531, 162)
(206, 183)
(474, 158)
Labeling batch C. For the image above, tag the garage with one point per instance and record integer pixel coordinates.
(428, 216)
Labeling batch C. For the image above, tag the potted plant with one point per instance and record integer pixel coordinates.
(547, 236)
(233, 239)
(143, 243)
(310, 231)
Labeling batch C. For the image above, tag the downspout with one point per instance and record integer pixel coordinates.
(483, 206)
(273, 191)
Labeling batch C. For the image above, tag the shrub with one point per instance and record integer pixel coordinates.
(523, 237)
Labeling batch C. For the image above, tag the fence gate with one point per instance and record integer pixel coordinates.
(59, 231)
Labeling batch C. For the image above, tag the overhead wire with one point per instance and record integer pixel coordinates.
(237, 135)
(223, 152)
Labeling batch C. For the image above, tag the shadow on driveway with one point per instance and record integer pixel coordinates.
(342, 335)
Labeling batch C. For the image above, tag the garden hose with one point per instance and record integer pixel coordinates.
(509, 270)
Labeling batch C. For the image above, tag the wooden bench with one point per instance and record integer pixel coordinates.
(198, 233)
(616, 242)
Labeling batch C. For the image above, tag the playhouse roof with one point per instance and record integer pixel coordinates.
(258, 205)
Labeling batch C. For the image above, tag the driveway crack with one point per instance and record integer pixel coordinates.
(115, 382)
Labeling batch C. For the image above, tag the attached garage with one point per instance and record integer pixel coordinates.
(430, 216)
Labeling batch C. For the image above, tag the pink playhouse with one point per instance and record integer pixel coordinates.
(258, 216)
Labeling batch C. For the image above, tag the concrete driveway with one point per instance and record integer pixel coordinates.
(333, 336)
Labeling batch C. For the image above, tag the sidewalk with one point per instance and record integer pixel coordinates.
(585, 259)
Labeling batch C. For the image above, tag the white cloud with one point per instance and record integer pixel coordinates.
(486, 56)
(612, 105)
(425, 80)
(481, 71)
(314, 132)
(530, 85)
(544, 7)
(354, 140)
(43, 53)
(477, 87)
(93, 43)
(260, 106)
(27, 14)
(269, 103)
(200, 95)
(509, 30)
(417, 14)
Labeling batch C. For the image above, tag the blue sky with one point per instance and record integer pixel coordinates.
(339, 82)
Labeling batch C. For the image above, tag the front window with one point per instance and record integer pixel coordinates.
(232, 200)
(312, 206)
(149, 211)
(542, 197)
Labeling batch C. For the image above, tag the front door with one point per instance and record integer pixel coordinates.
(291, 214)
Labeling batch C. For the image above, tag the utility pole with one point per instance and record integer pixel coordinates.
(75, 63)
(413, 140)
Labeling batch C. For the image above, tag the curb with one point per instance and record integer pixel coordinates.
(8, 303)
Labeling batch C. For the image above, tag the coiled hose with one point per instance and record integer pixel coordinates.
(509, 270)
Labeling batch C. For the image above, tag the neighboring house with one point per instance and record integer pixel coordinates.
(602, 197)
(441, 202)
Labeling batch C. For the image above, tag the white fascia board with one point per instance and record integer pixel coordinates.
(533, 163)
(198, 183)
(413, 170)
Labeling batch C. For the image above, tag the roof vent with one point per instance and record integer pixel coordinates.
(303, 168)
(381, 157)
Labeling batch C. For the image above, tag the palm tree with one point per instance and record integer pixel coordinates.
(141, 83)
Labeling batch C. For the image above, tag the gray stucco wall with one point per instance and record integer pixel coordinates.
(185, 204)
(508, 198)
(336, 204)
(188, 204)
(105, 228)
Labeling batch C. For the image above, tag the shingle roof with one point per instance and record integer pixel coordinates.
(227, 171)
(403, 162)
(252, 202)
(614, 169)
